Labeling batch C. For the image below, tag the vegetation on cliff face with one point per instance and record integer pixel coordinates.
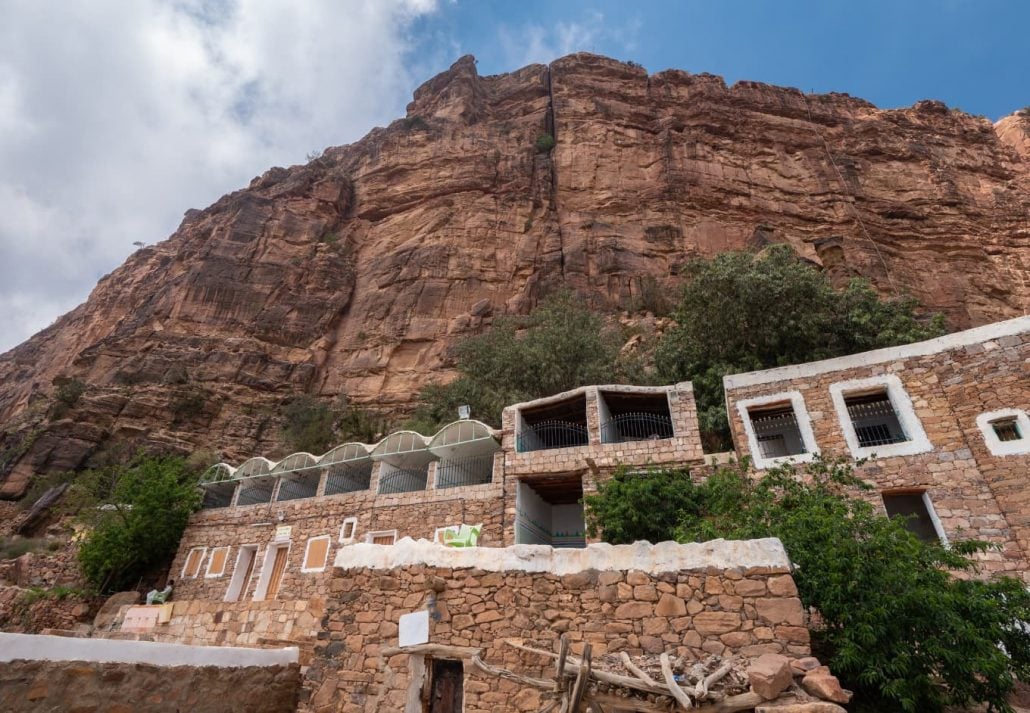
(896, 625)
(744, 311)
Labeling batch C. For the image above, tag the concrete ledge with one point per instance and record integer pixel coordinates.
(31, 647)
(663, 557)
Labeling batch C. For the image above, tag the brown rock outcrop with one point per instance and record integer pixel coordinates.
(355, 273)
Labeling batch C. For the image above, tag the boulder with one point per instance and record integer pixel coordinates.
(821, 683)
(108, 613)
(770, 675)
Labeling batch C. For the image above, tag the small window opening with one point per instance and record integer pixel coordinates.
(914, 508)
(776, 430)
(1007, 429)
(349, 530)
(874, 418)
(385, 537)
(634, 416)
(558, 425)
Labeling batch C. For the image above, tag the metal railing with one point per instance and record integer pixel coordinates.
(551, 434)
(401, 480)
(636, 427)
(885, 429)
(298, 486)
(259, 491)
(772, 431)
(473, 470)
(348, 477)
(218, 496)
(1006, 429)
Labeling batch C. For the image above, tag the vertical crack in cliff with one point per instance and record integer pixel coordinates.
(553, 126)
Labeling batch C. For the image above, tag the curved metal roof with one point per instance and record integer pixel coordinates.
(464, 438)
(347, 453)
(403, 449)
(257, 465)
(294, 461)
(217, 473)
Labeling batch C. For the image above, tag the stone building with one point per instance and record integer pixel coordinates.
(939, 427)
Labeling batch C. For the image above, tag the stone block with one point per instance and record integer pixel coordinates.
(770, 675)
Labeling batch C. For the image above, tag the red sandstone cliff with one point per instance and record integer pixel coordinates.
(353, 274)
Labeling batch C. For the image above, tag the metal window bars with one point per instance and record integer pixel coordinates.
(457, 472)
(1006, 429)
(218, 496)
(636, 427)
(403, 480)
(879, 433)
(294, 486)
(257, 490)
(777, 433)
(551, 434)
(348, 477)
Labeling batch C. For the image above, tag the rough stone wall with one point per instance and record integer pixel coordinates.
(414, 515)
(692, 612)
(975, 494)
(90, 687)
(24, 611)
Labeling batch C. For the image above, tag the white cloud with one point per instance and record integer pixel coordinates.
(116, 117)
(534, 43)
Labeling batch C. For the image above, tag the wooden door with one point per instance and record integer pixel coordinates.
(278, 567)
(445, 691)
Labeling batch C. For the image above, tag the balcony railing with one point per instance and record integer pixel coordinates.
(457, 472)
(551, 434)
(636, 427)
(348, 477)
(399, 480)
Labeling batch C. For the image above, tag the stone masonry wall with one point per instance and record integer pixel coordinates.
(90, 687)
(693, 611)
(974, 493)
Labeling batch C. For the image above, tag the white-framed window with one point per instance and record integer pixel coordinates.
(878, 419)
(778, 428)
(381, 537)
(316, 554)
(920, 516)
(191, 567)
(439, 533)
(1006, 432)
(216, 562)
(349, 530)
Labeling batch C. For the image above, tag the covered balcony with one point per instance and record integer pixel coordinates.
(404, 459)
(348, 469)
(465, 450)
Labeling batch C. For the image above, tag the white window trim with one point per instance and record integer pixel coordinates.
(354, 536)
(902, 404)
(369, 536)
(804, 421)
(437, 531)
(200, 564)
(244, 587)
(998, 447)
(208, 574)
(267, 561)
(307, 550)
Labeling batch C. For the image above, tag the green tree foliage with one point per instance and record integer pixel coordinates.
(307, 425)
(559, 346)
(544, 143)
(743, 311)
(137, 512)
(898, 627)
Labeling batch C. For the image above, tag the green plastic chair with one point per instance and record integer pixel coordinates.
(464, 536)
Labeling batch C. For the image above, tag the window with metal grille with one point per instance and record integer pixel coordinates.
(874, 418)
(1006, 429)
(915, 509)
(776, 430)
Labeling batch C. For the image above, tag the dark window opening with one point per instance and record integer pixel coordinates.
(634, 417)
(776, 430)
(1007, 429)
(560, 425)
(445, 689)
(874, 418)
(912, 507)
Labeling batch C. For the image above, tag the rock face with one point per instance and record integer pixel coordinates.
(355, 273)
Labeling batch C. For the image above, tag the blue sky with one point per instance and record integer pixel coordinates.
(971, 54)
(116, 116)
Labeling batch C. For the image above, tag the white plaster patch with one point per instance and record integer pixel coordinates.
(917, 440)
(997, 446)
(34, 647)
(1019, 325)
(413, 628)
(804, 422)
(643, 556)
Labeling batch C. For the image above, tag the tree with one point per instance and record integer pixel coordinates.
(559, 346)
(307, 425)
(897, 626)
(136, 512)
(744, 311)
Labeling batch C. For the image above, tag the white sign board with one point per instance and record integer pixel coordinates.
(413, 628)
(282, 533)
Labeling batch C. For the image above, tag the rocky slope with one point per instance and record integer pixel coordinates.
(353, 274)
